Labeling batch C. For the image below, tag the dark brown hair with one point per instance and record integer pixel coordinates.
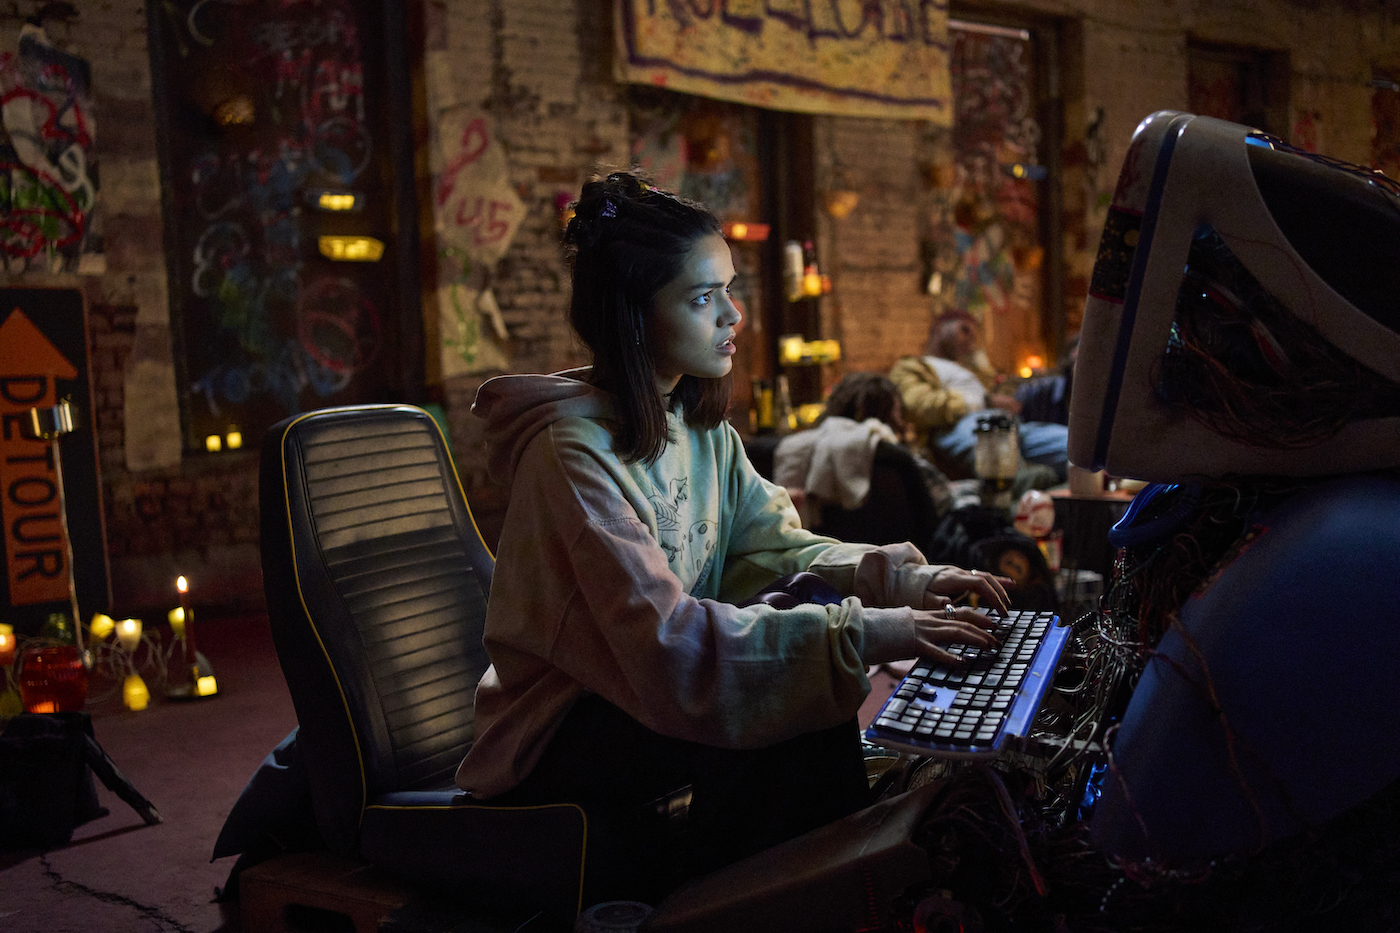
(625, 242)
(864, 395)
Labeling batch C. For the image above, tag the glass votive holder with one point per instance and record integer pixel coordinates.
(53, 680)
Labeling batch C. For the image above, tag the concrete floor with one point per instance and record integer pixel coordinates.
(191, 760)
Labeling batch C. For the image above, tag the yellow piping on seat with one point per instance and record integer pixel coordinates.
(296, 574)
(306, 612)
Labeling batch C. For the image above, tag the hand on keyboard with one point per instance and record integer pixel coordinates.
(962, 626)
(953, 583)
(974, 707)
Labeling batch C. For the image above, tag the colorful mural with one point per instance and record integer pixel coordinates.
(275, 145)
(48, 160)
(996, 198)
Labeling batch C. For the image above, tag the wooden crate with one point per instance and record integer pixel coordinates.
(315, 892)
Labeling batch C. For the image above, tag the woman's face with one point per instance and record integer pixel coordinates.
(694, 320)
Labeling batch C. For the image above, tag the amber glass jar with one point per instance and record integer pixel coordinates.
(52, 680)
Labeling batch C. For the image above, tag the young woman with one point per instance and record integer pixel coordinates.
(624, 665)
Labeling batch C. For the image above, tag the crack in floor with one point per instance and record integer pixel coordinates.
(151, 913)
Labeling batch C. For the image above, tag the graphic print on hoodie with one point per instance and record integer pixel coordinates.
(687, 550)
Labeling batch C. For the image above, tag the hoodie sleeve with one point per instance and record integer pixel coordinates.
(616, 620)
(768, 542)
(701, 669)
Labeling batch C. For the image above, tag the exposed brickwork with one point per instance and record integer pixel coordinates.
(541, 69)
(208, 501)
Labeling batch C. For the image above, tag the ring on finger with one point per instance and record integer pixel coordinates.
(948, 611)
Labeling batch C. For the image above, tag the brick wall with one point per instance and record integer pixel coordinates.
(879, 306)
(560, 117)
(541, 70)
(199, 519)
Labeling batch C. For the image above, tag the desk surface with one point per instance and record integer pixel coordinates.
(1114, 495)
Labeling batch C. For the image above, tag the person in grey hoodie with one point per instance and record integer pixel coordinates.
(629, 654)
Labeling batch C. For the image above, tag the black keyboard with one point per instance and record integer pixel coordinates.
(975, 709)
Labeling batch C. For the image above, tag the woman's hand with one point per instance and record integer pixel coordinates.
(934, 628)
(953, 583)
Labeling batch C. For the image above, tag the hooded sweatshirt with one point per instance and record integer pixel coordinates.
(622, 578)
(833, 460)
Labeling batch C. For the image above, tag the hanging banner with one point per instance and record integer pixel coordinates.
(855, 58)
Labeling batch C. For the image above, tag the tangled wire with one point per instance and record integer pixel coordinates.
(1245, 366)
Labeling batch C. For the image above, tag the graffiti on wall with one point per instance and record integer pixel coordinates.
(48, 161)
(476, 213)
(274, 112)
(704, 150)
(996, 207)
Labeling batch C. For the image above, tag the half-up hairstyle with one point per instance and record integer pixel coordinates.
(625, 242)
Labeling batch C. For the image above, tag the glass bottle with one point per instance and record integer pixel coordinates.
(784, 417)
(996, 458)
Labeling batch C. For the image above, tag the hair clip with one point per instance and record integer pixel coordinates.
(609, 209)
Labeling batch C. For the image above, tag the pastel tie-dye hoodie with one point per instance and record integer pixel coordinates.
(622, 578)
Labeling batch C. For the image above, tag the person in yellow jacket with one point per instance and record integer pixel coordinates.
(944, 394)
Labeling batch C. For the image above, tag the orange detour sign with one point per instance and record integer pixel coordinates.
(35, 560)
(44, 362)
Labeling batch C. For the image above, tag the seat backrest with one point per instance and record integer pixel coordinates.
(376, 580)
(898, 508)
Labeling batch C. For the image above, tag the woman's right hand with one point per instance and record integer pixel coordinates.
(960, 625)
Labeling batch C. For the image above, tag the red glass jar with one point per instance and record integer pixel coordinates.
(53, 680)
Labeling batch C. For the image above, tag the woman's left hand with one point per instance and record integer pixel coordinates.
(953, 583)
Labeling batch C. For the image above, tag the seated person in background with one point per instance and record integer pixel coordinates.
(943, 399)
(1046, 398)
(831, 463)
(629, 654)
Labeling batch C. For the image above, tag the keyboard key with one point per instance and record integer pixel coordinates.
(964, 706)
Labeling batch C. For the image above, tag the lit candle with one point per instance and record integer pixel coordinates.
(129, 634)
(7, 646)
(187, 617)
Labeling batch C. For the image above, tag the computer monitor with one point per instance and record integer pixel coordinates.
(1210, 222)
(1244, 326)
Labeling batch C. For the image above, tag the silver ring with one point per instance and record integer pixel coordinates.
(948, 611)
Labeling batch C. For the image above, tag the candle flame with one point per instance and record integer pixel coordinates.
(182, 584)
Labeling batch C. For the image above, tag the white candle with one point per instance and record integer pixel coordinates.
(129, 634)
